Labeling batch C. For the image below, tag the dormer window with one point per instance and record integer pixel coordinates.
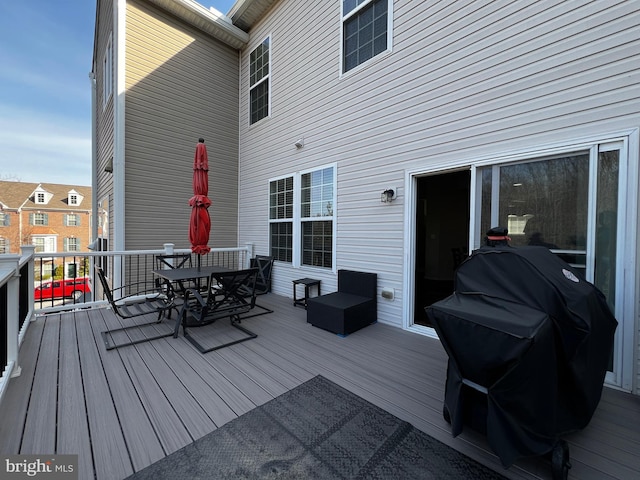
(74, 198)
(41, 196)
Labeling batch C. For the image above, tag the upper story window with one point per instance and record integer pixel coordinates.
(4, 245)
(5, 219)
(259, 79)
(107, 72)
(366, 30)
(38, 219)
(72, 220)
(40, 198)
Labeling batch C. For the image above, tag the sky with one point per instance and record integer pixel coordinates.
(46, 50)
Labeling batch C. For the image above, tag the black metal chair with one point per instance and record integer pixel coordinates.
(223, 298)
(264, 264)
(171, 261)
(133, 302)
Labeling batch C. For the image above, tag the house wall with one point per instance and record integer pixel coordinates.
(180, 85)
(465, 80)
(104, 112)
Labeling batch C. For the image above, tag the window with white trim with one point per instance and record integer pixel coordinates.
(366, 30)
(71, 244)
(259, 79)
(4, 245)
(302, 217)
(72, 220)
(39, 219)
(107, 72)
(44, 244)
(317, 217)
(73, 199)
(40, 197)
(5, 219)
(281, 219)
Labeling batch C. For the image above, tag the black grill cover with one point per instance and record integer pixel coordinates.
(527, 328)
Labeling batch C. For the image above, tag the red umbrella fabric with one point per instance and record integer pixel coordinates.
(200, 223)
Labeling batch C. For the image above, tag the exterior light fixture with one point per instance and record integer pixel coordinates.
(388, 195)
(300, 143)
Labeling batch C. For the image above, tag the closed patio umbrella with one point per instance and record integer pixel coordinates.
(200, 223)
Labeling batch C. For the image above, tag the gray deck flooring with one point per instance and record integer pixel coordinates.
(124, 409)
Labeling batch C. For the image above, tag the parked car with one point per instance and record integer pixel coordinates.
(72, 287)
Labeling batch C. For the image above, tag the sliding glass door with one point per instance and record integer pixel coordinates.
(568, 202)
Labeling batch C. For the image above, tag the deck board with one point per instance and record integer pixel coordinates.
(40, 432)
(124, 409)
(110, 453)
(73, 432)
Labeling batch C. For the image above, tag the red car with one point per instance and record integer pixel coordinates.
(73, 287)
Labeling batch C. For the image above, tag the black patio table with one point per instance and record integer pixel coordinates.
(180, 276)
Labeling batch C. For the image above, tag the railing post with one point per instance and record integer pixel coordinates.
(29, 251)
(168, 248)
(249, 247)
(11, 263)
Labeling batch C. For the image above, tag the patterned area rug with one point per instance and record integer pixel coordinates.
(320, 431)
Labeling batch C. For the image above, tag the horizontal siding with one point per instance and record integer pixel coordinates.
(103, 115)
(181, 85)
(465, 79)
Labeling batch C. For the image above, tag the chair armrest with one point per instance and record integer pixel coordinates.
(198, 296)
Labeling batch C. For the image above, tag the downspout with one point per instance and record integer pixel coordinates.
(94, 160)
(119, 37)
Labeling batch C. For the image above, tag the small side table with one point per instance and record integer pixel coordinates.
(308, 283)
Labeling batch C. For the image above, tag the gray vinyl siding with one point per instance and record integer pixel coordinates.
(465, 80)
(180, 85)
(104, 114)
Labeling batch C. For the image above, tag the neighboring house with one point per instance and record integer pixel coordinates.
(55, 218)
(475, 114)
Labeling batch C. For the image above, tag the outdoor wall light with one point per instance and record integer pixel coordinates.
(388, 195)
(300, 143)
(109, 166)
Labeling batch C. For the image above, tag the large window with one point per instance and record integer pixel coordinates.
(5, 219)
(259, 65)
(302, 216)
(317, 217)
(366, 30)
(45, 244)
(4, 245)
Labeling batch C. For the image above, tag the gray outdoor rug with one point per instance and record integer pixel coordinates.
(320, 431)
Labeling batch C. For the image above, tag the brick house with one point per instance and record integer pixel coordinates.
(56, 218)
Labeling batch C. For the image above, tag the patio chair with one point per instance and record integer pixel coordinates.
(173, 289)
(264, 264)
(351, 308)
(130, 305)
(221, 299)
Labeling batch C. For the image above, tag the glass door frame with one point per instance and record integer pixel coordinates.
(627, 271)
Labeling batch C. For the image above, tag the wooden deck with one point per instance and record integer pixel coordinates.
(124, 409)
